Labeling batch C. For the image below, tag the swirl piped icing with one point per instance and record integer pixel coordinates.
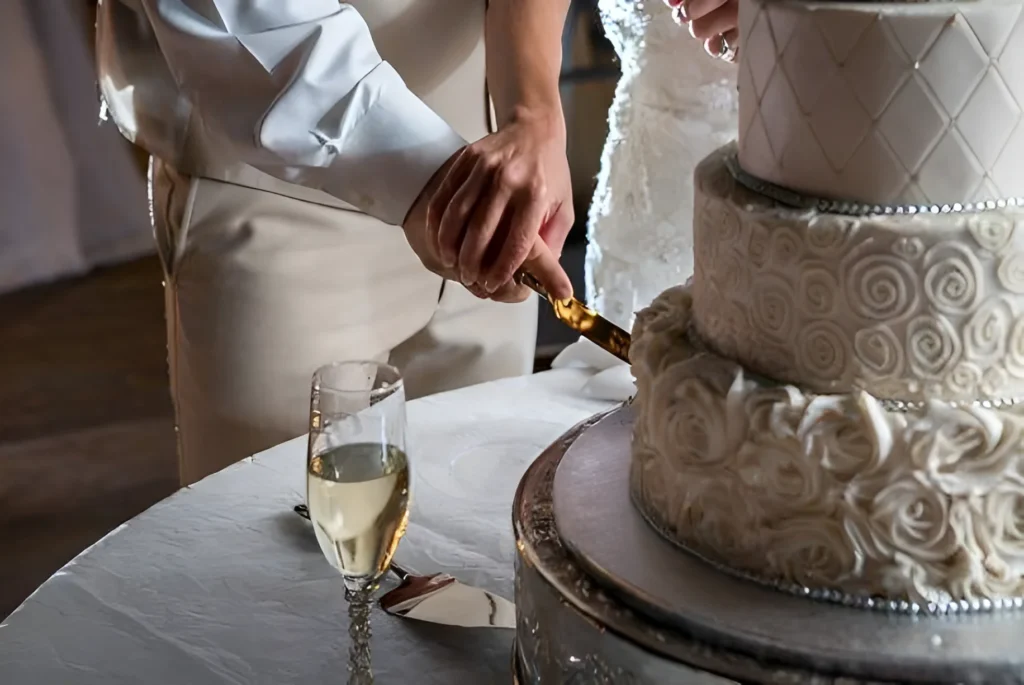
(906, 307)
(824, 490)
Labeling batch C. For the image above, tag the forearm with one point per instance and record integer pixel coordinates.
(524, 58)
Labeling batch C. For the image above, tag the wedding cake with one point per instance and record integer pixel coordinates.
(831, 406)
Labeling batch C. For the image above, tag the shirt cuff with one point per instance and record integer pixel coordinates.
(397, 145)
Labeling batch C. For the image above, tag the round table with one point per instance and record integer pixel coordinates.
(223, 584)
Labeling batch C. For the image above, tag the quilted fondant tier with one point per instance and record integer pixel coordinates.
(884, 104)
(906, 308)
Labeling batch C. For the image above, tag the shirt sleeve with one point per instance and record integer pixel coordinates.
(297, 89)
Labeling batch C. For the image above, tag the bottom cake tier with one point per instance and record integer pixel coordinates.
(603, 598)
(878, 504)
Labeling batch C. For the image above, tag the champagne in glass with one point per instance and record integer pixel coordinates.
(358, 484)
(359, 503)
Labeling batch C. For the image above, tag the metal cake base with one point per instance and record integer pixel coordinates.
(601, 597)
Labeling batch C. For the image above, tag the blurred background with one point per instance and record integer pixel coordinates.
(86, 425)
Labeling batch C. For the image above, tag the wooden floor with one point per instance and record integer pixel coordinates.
(86, 429)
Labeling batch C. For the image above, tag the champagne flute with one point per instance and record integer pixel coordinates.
(357, 484)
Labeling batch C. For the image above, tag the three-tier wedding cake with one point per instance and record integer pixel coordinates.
(832, 404)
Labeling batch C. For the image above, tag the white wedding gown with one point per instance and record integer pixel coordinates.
(673, 105)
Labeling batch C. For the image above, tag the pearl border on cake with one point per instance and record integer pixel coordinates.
(904, 406)
(893, 405)
(797, 200)
(853, 601)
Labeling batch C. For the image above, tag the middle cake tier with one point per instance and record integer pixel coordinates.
(909, 308)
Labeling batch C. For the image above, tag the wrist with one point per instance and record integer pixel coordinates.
(547, 116)
(416, 216)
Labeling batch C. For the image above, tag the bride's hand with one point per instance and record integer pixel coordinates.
(713, 21)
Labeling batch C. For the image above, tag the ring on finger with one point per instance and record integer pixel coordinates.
(726, 52)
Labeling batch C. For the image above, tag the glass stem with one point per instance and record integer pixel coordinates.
(360, 668)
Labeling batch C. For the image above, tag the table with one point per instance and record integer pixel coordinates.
(223, 584)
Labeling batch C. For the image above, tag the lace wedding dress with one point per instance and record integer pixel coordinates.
(673, 105)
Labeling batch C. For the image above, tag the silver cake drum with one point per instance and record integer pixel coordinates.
(601, 597)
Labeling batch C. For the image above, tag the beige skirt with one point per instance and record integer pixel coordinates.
(261, 289)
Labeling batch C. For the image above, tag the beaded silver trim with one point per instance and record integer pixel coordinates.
(896, 406)
(853, 208)
(903, 406)
(852, 600)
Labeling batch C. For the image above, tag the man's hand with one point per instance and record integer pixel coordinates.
(415, 224)
(539, 261)
(506, 203)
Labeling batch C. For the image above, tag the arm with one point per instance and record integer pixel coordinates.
(524, 60)
(297, 89)
(514, 185)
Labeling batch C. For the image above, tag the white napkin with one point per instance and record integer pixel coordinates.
(612, 379)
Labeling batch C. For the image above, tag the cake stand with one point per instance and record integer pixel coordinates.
(601, 597)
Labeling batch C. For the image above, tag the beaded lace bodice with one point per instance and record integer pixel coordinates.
(673, 106)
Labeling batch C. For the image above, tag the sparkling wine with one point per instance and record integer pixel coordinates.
(358, 498)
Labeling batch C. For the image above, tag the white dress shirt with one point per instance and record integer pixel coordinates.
(294, 88)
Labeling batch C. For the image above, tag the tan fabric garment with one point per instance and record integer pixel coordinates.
(436, 47)
(262, 289)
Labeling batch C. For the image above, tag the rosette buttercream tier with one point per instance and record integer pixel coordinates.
(823, 491)
(889, 103)
(909, 308)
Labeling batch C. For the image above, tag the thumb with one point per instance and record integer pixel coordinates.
(543, 265)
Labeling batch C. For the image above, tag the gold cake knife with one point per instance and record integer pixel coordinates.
(583, 320)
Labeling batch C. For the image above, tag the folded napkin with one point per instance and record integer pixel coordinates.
(612, 379)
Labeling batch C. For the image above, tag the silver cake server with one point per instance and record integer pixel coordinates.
(441, 598)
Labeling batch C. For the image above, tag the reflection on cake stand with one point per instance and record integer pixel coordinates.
(601, 597)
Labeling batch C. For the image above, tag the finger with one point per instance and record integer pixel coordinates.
(510, 293)
(726, 50)
(439, 202)
(483, 226)
(695, 9)
(713, 46)
(722, 20)
(557, 228)
(523, 230)
(544, 266)
(719, 47)
(455, 221)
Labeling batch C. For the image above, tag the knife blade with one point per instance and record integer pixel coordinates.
(583, 320)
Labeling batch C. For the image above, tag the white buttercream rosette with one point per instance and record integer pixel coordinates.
(824, 491)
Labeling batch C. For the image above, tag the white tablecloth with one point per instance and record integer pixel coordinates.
(224, 584)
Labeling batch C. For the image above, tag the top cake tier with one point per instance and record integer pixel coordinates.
(890, 104)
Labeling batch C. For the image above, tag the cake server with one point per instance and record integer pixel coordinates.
(583, 320)
(441, 598)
